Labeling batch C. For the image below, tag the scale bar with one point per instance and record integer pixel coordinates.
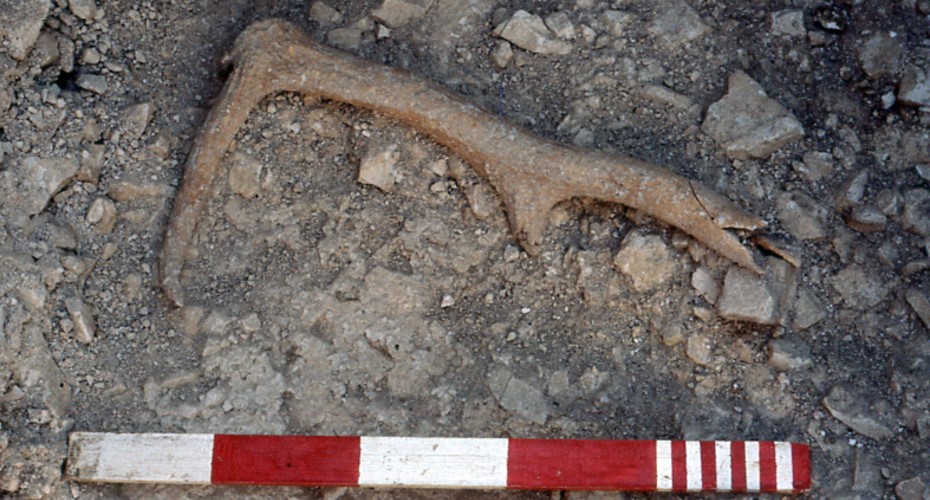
(408, 462)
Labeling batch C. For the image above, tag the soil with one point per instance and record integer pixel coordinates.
(321, 305)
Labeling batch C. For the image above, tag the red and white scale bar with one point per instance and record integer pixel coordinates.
(553, 464)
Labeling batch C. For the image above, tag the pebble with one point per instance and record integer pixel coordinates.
(698, 349)
(615, 21)
(746, 297)
(529, 32)
(396, 13)
(808, 310)
(816, 165)
(40, 179)
(801, 216)
(92, 156)
(136, 118)
(93, 83)
(867, 219)
(704, 282)
(646, 260)
(525, 400)
(920, 304)
(889, 202)
(84, 9)
(128, 190)
(102, 215)
(660, 94)
(853, 412)
(322, 13)
(349, 39)
(853, 190)
(245, 176)
(84, 325)
(676, 24)
(748, 123)
(880, 55)
(788, 355)
(561, 25)
(251, 323)
(502, 54)
(377, 168)
(858, 288)
(20, 25)
(788, 23)
(916, 214)
(915, 87)
(912, 489)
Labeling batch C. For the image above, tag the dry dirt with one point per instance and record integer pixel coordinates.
(318, 304)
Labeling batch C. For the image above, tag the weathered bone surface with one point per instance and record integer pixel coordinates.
(530, 174)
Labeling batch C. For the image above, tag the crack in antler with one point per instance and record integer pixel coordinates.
(530, 174)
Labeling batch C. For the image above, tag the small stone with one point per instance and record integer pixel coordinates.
(788, 23)
(867, 219)
(661, 94)
(801, 216)
(383, 32)
(102, 215)
(377, 168)
(396, 13)
(888, 99)
(676, 24)
(748, 123)
(889, 202)
(853, 190)
(251, 323)
(786, 355)
(92, 156)
(128, 190)
(324, 14)
(447, 301)
(132, 287)
(615, 21)
(561, 25)
(705, 284)
(93, 83)
(646, 260)
(816, 165)
(84, 9)
(915, 87)
(858, 288)
(39, 179)
(808, 310)
(916, 214)
(746, 297)
(349, 39)
(245, 176)
(481, 200)
(920, 304)
(502, 54)
(529, 32)
(46, 49)
(880, 55)
(136, 118)
(911, 489)
(83, 319)
(525, 400)
(923, 171)
(672, 334)
(191, 318)
(846, 408)
(20, 24)
(698, 350)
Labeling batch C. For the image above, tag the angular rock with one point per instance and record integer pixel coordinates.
(748, 123)
(645, 258)
(377, 168)
(529, 32)
(853, 412)
(245, 176)
(502, 54)
(801, 216)
(348, 39)
(136, 118)
(525, 400)
(916, 214)
(747, 297)
(867, 219)
(859, 289)
(816, 165)
(38, 180)
(808, 310)
(699, 350)
(880, 55)
(615, 21)
(915, 87)
(20, 24)
(786, 355)
(788, 23)
(705, 283)
(93, 83)
(561, 25)
(102, 215)
(920, 304)
(912, 489)
(396, 13)
(92, 157)
(83, 318)
(663, 95)
(322, 13)
(676, 24)
(853, 190)
(84, 9)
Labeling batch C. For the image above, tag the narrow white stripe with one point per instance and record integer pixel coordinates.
(433, 462)
(142, 458)
(724, 469)
(693, 465)
(752, 466)
(664, 465)
(784, 467)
